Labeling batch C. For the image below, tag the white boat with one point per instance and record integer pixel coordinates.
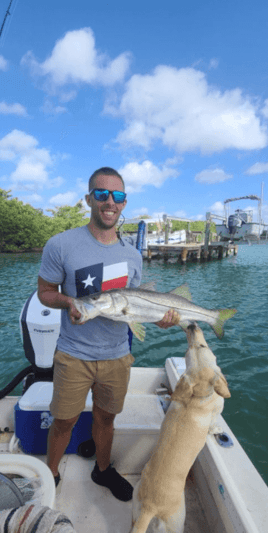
(240, 225)
(224, 491)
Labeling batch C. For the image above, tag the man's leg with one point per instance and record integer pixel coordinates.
(102, 433)
(104, 474)
(58, 439)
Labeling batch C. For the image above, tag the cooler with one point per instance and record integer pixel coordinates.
(33, 419)
(136, 431)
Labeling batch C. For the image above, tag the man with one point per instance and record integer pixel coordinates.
(95, 354)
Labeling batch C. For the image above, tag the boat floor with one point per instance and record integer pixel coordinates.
(93, 509)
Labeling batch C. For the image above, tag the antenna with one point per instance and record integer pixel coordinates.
(6, 15)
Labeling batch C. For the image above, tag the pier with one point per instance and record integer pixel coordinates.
(191, 252)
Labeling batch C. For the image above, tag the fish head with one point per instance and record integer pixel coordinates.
(109, 303)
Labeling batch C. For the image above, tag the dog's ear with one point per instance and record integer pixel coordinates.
(221, 387)
(184, 388)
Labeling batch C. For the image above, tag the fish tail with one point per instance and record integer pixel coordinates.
(224, 314)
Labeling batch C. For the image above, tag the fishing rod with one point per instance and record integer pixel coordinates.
(5, 17)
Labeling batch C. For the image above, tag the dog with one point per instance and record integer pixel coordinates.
(158, 498)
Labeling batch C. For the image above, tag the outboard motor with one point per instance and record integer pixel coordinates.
(234, 221)
(40, 327)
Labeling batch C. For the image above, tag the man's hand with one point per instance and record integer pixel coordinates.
(74, 314)
(171, 318)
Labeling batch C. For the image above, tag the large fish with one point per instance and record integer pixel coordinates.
(146, 305)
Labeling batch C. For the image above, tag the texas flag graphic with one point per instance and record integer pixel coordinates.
(96, 278)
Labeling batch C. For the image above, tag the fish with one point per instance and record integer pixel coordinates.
(144, 304)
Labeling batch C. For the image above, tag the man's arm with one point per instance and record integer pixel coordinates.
(49, 295)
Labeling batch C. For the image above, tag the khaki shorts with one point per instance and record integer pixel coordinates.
(73, 378)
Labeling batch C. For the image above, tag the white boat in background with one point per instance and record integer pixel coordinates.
(224, 491)
(240, 225)
(143, 237)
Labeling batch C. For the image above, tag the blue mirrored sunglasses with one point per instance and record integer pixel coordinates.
(101, 195)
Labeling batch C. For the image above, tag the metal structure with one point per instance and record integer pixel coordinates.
(5, 17)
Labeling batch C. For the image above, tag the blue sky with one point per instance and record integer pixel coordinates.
(172, 94)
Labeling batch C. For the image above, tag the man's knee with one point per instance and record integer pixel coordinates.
(63, 426)
(102, 417)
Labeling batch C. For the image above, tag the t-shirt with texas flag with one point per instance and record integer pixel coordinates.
(82, 265)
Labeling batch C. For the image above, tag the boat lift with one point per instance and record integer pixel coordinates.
(240, 217)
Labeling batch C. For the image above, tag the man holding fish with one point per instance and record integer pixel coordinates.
(92, 351)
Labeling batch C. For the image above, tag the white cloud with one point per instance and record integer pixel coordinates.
(217, 208)
(67, 198)
(257, 168)
(215, 175)
(13, 109)
(32, 198)
(56, 182)
(180, 109)
(137, 175)
(75, 60)
(49, 109)
(68, 96)
(214, 63)
(180, 213)
(139, 212)
(3, 63)
(33, 164)
(15, 143)
(265, 109)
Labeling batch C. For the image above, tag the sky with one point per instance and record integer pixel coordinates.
(173, 95)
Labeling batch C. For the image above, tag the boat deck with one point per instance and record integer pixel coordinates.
(93, 509)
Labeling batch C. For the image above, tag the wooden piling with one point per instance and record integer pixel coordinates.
(184, 255)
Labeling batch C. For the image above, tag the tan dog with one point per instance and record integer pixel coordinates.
(196, 401)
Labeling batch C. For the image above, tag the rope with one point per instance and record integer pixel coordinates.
(34, 519)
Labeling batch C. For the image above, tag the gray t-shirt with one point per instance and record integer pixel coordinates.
(82, 265)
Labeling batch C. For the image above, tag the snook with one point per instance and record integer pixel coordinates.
(142, 305)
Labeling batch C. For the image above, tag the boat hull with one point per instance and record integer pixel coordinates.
(248, 231)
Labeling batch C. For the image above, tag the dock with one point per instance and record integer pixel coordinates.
(191, 252)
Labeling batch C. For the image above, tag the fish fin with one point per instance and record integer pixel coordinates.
(183, 291)
(224, 314)
(138, 330)
(148, 286)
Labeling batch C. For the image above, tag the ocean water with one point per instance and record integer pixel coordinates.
(239, 282)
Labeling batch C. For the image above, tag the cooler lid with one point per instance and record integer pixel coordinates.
(39, 396)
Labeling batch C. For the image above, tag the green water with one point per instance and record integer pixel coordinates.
(239, 281)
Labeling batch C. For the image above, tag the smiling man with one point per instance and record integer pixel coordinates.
(95, 355)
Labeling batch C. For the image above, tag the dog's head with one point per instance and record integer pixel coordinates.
(201, 385)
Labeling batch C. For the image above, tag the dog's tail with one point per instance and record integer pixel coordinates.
(143, 521)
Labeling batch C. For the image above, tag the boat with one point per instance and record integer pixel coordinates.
(224, 491)
(240, 226)
(143, 238)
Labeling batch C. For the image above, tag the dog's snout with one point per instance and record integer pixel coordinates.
(192, 327)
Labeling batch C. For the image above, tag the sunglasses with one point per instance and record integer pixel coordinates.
(101, 195)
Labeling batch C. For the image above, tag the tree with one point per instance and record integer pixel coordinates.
(66, 217)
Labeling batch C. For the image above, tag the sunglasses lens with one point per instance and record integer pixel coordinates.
(118, 196)
(102, 195)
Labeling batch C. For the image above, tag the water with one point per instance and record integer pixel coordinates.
(238, 281)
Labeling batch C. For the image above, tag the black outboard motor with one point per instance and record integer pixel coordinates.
(234, 221)
(40, 327)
